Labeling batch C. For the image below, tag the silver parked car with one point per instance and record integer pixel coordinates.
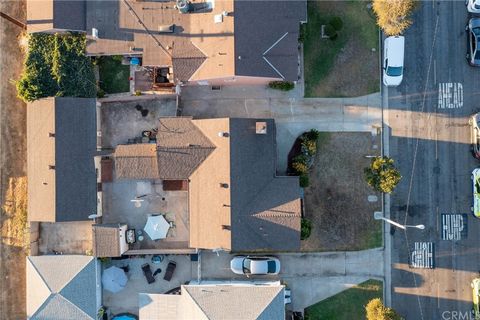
(473, 34)
(255, 265)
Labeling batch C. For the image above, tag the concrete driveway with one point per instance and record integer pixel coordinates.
(312, 277)
(293, 115)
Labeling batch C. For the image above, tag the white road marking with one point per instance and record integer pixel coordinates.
(422, 256)
(450, 95)
(452, 226)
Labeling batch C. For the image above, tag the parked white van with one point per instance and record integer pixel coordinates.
(393, 54)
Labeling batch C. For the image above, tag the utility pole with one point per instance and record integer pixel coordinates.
(13, 20)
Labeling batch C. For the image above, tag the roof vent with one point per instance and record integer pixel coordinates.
(51, 167)
(261, 127)
(51, 134)
(224, 185)
(94, 33)
(225, 227)
(223, 134)
(218, 18)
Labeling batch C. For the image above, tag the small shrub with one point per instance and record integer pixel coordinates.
(100, 93)
(302, 33)
(305, 229)
(336, 23)
(330, 32)
(310, 147)
(300, 168)
(138, 93)
(313, 134)
(281, 85)
(304, 181)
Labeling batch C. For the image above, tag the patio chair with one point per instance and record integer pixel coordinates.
(147, 272)
(170, 270)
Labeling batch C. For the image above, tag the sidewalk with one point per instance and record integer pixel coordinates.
(312, 277)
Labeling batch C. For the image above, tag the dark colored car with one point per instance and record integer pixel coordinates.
(473, 34)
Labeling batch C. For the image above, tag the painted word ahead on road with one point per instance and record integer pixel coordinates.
(454, 226)
(422, 256)
(450, 95)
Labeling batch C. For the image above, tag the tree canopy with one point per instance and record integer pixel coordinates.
(393, 16)
(56, 65)
(382, 174)
(377, 311)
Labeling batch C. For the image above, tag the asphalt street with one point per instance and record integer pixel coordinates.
(428, 116)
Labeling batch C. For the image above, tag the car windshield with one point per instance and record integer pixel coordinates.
(272, 267)
(476, 31)
(394, 71)
(246, 265)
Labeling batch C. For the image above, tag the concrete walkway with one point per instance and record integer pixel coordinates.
(292, 115)
(312, 277)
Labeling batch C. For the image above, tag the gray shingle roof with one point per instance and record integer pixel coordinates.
(61, 287)
(216, 302)
(66, 192)
(70, 15)
(266, 210)
(268, 30)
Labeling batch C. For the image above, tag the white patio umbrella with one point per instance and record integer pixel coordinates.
(114, 279)
(156, 227)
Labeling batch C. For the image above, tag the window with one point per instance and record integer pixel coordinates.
(394, 71)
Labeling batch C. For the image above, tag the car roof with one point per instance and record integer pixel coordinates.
(395, 46)
(259, 267)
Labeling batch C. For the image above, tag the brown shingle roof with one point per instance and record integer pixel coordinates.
(181, 147)
(136, 161)
(106, 240)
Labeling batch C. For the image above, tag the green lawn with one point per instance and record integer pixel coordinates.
(113, 75)
(352, 76)
(347, 305)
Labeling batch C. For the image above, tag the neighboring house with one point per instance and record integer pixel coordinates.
(235, 200)
(61, 144)
(189, 42)
(63, 287)
(216, 302)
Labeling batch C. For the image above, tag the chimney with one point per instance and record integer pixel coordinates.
(261, 127)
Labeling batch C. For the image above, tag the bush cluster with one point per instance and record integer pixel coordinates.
(56, 65)
(333, 27)
(282, 85)
(305, 229)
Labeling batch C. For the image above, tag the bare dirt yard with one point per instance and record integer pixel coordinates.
(13, 195)
(337, 199)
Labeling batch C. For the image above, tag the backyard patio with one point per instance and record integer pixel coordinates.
(133, 201)
(126, 300)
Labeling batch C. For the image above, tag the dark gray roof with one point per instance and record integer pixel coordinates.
(69, 14)
(266, 209)
(266, 37)
(61, 136)
(75, 147)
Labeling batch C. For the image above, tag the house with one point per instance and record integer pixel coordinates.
(198, 42)
(236, 202)
(61, 144)
(216, 302)
(63, 287)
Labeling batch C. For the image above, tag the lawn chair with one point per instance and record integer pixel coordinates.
(147, 272)
(170, 270)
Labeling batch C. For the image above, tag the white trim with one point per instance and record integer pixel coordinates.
(271, 65)
(276, 42)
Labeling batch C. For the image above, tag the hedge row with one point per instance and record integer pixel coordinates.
(56, 65)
